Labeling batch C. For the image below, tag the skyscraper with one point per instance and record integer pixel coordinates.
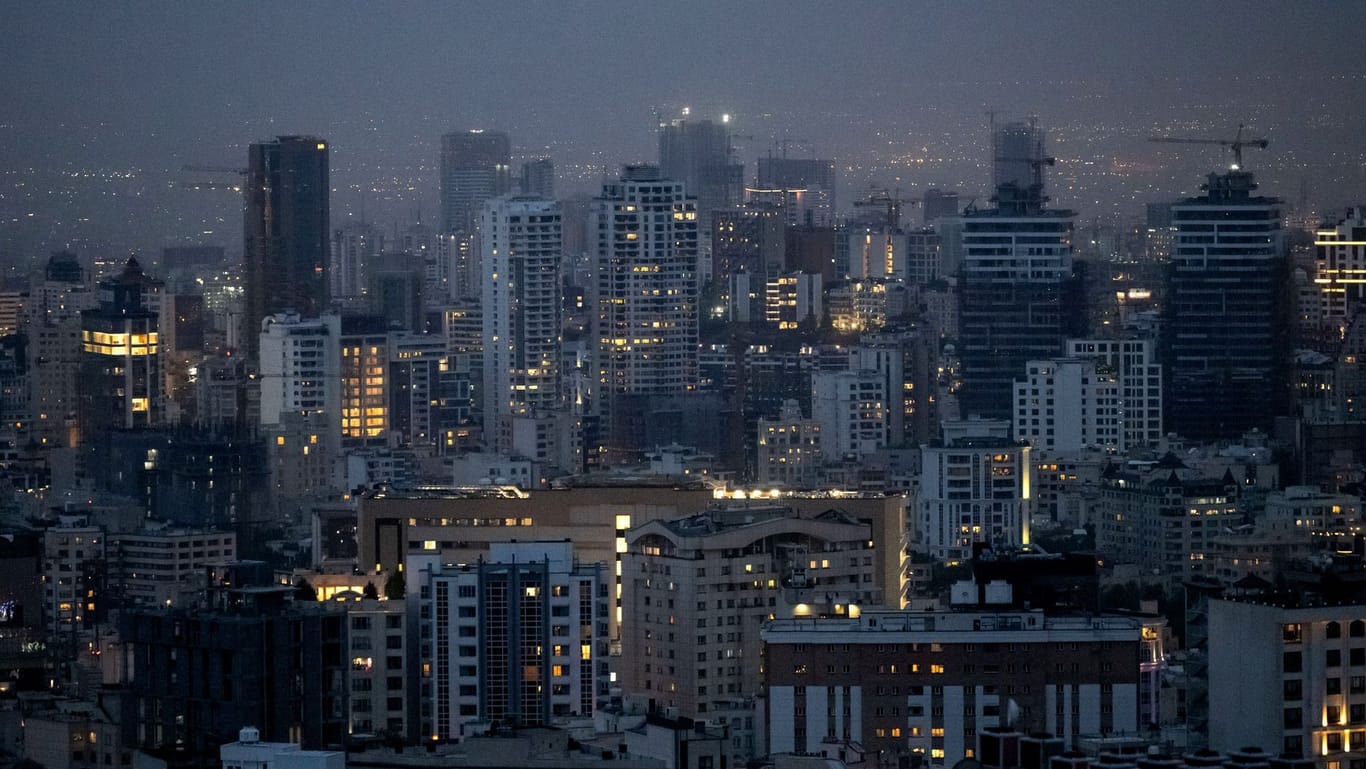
(538, 178)
(1020, 296)
(644, 296)
(287, 231)
(1225, 330)
(120, 375)
(475, 166)
(1017, 151)
(521, 304)
(698, 154)
(805, 187)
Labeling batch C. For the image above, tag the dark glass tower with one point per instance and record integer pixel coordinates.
(287, 243)
(1224, 334)
(475, 166)
(1020, 296)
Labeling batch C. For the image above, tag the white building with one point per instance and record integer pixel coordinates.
(789, 449)
(644, 298)
(1133, 363)
(378, 690)
(519, 637)
(975, 486)
(851, 409)
(1065, 405)
(300, 367)
(521, 242)
(156, 566)
(791, 299)
(1289, 678)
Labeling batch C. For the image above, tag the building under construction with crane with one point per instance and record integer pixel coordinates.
(1225, 330)
(1020, 291)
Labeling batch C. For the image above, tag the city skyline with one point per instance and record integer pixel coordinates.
(896, 96)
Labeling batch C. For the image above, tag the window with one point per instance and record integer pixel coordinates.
(1357, 629)
(1292, 662)
(1334, 658)
(1332, 630)
(1294, 718)
(1290, 633)
(1293, 690)
(1333, 686)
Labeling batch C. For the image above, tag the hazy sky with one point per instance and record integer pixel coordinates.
(158, 85)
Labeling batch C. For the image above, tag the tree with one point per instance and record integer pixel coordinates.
(369, 591)
(395, 588)
(303, 591)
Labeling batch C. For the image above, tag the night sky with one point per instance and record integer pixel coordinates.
(103, 103)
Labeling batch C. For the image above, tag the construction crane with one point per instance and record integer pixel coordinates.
(1236, 144)
(234, 186)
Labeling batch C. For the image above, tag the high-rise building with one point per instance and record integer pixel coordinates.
(698, 154)
(803, 187)
(696, 598)
(520, 637)
(975, 487)
(521, 238)
(356, 247)
(1224, 335)
(1018, 297)
(1340, 252)
(538, 178)
(644, 297)
(1133, 364)
(1017, 154)
(748, 239)
(789, 449)
(937, 204)
(475, 165)
(299, 367)
(851, 409)
(1065, 405)
(288, 232)
(363, 367)
(120, 373)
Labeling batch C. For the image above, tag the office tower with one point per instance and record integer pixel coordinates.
(1065, 405)
(395, 294)
(699, 154)
(538, 178)
(750, 239)
(929, 683)
(937, 204)
(1133, 363)
(475, 166)
(521, 306)
(975, 487)
(288, 230)
(645, 297)
(120, 372)
(520, 637)
(1018, 296)
(1224, 335)
(803, 187)
(1340, 255)
(1017, 152)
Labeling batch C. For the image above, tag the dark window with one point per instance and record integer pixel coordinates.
(1334, 658)
(1294, 718)
(1292, 662)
